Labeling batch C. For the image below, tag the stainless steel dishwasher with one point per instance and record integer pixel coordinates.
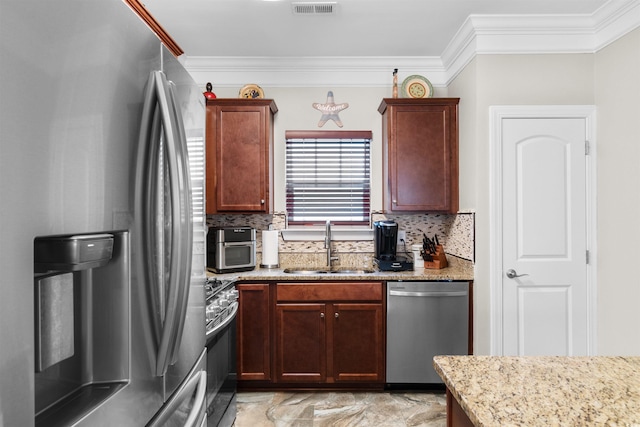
(424, 319)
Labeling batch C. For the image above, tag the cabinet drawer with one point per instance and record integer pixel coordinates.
(329, 291)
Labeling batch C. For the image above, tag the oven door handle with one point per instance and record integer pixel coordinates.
(234, 311)
(428, 294)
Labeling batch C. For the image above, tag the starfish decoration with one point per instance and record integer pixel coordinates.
(330, 110)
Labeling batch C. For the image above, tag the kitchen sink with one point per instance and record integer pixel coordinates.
(311, 272)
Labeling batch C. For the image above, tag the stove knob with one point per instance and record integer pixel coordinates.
(223, 302)
(211, 312)
(216, 310)
(234, 293)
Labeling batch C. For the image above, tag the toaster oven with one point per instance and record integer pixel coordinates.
(231, 249)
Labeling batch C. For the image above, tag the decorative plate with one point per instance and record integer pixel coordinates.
(417, 87)
(251, 91)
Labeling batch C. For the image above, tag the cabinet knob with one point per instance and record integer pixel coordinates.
(322, 315)
(262, 201)
(337, 315)
(394, 201)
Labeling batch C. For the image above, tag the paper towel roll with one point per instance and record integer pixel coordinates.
(270, 249)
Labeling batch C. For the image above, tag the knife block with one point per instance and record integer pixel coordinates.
(439, 259)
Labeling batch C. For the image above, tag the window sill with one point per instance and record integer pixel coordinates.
(313, 234)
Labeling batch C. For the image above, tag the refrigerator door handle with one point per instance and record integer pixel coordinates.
(145, 206)
(155, 247)
(180, 209)
(194, 419)
(183, 257)
(197, 384)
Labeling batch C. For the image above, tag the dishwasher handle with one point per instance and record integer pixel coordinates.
(428, 293)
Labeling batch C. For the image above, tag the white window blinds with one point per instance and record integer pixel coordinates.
(328, 177)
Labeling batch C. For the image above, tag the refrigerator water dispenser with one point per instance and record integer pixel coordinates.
(81, 310)
(54, 320)
(72, 253)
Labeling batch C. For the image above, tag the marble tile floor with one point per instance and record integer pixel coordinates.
(341, 409)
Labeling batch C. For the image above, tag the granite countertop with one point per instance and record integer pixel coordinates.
(458, 269)
(545, 390)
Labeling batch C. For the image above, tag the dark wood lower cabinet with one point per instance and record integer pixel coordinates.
(302, 335)
(254, 332)
(329, 343)
(329, 334)
(456, 417)
(300, 343)
(357, 351)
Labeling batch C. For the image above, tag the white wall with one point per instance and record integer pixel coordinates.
(617, 92)
(608, 79)
(505, 80)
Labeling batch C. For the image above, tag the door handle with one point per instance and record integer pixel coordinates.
(511, 274)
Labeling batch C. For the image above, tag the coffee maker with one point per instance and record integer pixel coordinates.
(385, 242)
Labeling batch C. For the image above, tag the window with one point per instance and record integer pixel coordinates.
(328, 177)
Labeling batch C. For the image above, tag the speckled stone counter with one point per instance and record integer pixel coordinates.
(458, 269)
(544, 391)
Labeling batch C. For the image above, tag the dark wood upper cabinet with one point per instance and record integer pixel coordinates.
(239, 136)
(420, 154)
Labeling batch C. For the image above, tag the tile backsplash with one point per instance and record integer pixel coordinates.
(456, 232)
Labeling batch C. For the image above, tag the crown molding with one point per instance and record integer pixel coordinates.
(539, 34)
(615, 19)
(478, 35)
(311, 71)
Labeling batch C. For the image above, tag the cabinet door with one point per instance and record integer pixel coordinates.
(421, 149)
(242, 159)
(301, 343)
(239, 155)
(254, 332)
(357, 352)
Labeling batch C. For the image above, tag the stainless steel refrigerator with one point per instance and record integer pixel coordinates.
(102, 229)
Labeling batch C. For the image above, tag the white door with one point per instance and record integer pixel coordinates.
(544, 275)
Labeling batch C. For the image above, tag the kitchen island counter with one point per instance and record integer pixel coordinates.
(542, 391)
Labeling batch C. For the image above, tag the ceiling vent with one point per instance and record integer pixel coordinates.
(315, 8)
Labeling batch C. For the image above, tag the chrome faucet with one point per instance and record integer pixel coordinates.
(327, 244)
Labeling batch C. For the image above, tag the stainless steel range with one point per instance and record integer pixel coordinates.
(222, 307)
